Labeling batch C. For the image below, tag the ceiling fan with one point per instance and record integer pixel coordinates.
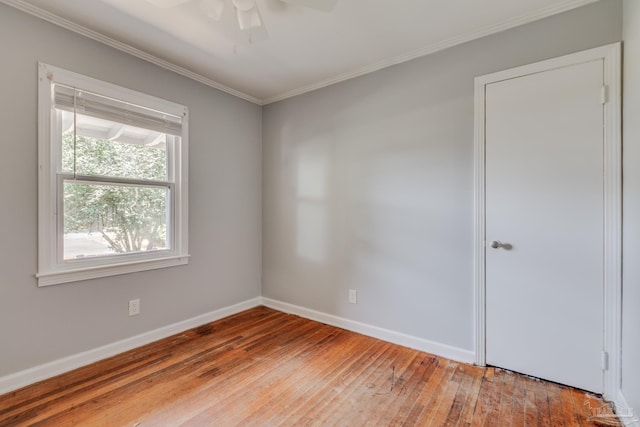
(246, 11)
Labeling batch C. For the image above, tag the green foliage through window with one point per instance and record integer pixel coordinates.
(130, 218)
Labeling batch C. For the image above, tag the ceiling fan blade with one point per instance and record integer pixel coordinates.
(166, 4)
(323, 5)
(244, 5)
(248, 19)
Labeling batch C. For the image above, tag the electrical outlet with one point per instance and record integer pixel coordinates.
(353, 296)
(134, 307)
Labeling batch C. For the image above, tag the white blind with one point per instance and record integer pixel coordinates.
(106, 108)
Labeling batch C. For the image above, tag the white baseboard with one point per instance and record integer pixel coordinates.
(66, 364)
(56, 367)
(627, 415)
(421, 344)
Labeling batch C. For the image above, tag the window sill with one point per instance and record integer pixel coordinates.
(94, 272)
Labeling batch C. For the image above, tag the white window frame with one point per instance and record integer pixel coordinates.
(52, 269)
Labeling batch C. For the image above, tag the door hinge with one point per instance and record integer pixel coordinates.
(605, 360)
(604, 94)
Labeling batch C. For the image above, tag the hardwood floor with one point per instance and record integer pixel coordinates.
(266, 368)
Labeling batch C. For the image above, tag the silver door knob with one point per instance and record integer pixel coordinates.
(496, 244)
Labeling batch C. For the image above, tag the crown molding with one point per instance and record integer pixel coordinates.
(434, 47)
(94, 35)
(408, 56)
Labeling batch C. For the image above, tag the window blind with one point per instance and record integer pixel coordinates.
(95, 105)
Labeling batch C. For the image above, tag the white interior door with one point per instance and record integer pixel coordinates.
(544, 190)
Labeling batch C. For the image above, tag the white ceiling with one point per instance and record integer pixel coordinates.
(306, 49)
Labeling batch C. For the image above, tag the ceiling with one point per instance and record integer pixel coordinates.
(306, 49)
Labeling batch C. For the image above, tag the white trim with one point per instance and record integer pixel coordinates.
(94, 35)
(613, 201)
(408, 56)
(479, 215)
(627, 415)
(434, 47)
(66, 364)
(620, 401)
(443, 350)
(94, 272)
(51, 269)
(47, 370)
(613, 219)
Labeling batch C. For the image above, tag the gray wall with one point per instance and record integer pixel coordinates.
(631, 209)
(38, 325)
(368, 184)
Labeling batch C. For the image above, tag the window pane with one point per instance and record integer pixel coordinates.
(112, 149)
(102, 219)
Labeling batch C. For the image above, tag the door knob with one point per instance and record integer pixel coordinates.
(496, 244)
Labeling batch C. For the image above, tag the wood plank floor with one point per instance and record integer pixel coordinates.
(266, 368)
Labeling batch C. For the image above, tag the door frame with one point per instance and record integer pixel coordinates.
(611, 54)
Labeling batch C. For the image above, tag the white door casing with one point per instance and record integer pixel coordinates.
(600, 63)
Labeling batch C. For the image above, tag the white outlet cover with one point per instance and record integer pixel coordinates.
(134, 307)
(353, 296)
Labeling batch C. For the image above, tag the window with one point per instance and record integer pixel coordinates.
(112, 179)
